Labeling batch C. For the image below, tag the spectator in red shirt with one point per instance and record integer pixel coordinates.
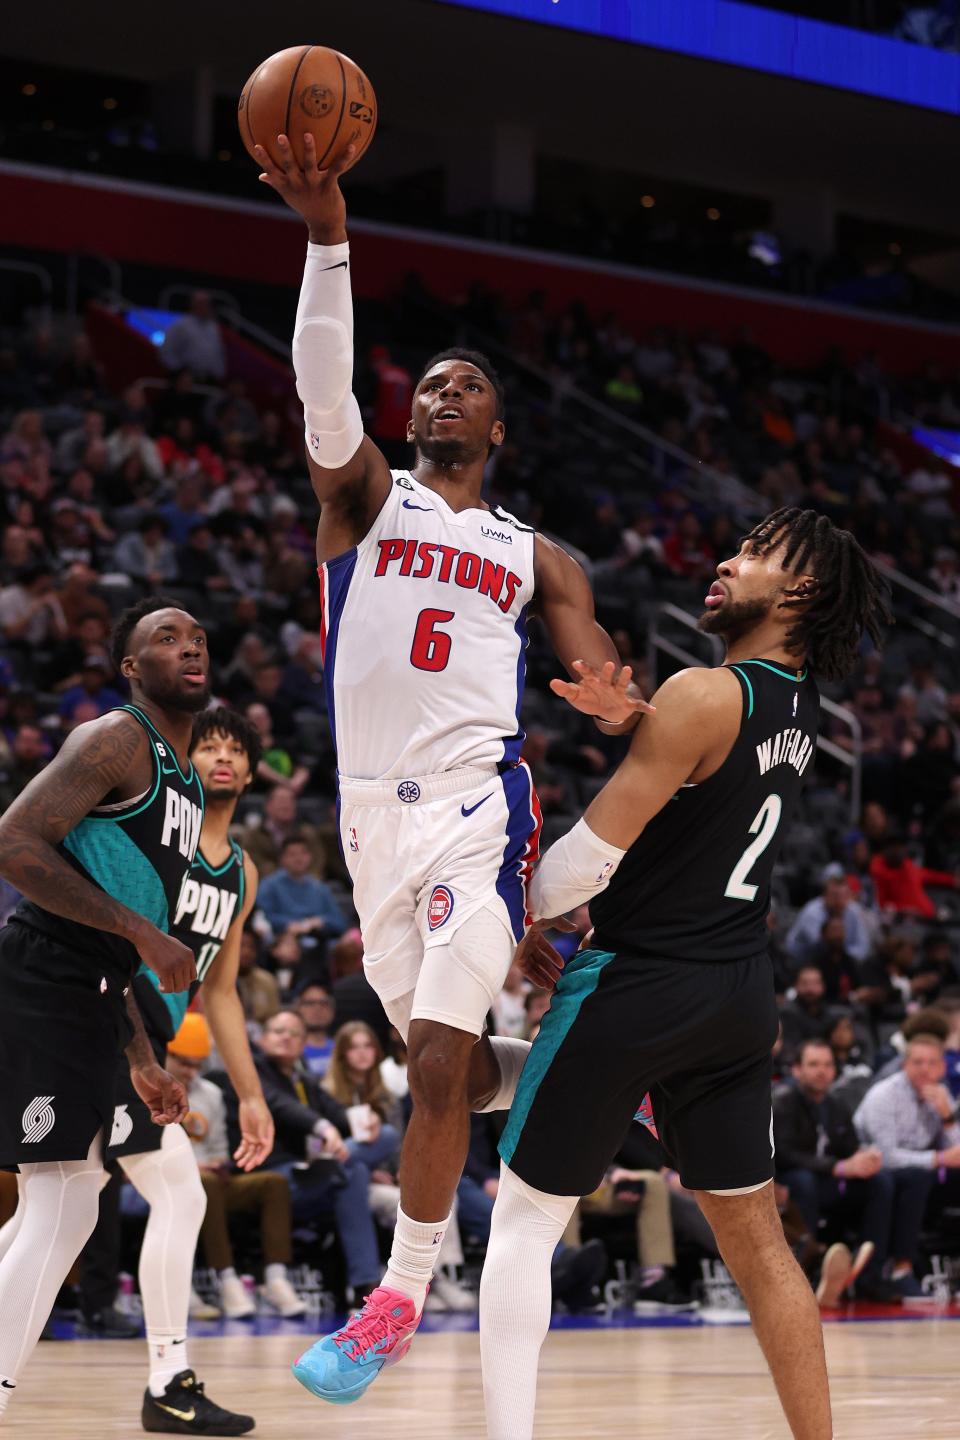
(900, 881)
(686, 551)
(392, 405)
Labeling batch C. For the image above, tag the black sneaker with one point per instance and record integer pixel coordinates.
(110, 1324)
(662, 1297)
(577, 1275)
(183, 1409)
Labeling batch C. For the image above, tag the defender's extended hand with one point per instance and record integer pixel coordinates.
(606, 693)
(537, 958)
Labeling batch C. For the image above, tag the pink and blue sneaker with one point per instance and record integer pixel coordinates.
(341, 1366)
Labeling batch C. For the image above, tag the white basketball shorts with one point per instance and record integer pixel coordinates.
(427, 853)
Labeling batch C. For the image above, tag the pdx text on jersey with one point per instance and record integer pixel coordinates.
(181, 819)
(789, 746)
(209, 907)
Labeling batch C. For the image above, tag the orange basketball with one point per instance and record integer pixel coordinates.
(308, 87)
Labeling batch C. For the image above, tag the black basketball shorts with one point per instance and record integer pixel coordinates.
(63, 1027)
(133, 1131)
(694, 1037)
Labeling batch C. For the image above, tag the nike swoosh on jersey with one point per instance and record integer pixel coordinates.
(341, 265)
(465, 812)
(409, 505)
(186, 1415)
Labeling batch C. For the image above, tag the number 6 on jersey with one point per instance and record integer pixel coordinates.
(431, 647)
(765, 821)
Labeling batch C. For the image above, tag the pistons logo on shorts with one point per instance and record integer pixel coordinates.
(440, 907)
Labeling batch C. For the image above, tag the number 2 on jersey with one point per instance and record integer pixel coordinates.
(431, 647)
(764, 826)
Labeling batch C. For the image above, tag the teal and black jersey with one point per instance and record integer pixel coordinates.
(138, 852)
(209, 902)
(695, 885)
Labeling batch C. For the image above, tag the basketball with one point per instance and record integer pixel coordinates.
(308, 87)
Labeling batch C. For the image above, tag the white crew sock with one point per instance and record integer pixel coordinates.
(413, 1256)
(515, 1301)
(168, 1179)
(274, 1271)
(511, 1056)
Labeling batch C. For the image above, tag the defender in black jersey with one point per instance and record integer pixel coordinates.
(674, 998)
(98, 845)
(217, 895)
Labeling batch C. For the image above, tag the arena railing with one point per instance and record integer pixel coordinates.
(659, 643)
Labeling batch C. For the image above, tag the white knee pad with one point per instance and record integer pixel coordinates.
(459, 979)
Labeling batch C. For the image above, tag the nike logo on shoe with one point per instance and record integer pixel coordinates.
(8, 1384)
(409, 505)
(464, 811)
(341, 265)
(186, 1415)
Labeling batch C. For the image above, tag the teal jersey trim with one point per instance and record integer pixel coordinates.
(120, 868)
(155, 736)
(746, 680)
(119, 814)
(176, 1004)
(219, 869)
(790, 675)
(577, 983)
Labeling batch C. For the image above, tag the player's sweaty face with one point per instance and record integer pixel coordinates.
(454, 410)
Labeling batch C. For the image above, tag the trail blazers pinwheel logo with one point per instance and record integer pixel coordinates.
(38, 1119)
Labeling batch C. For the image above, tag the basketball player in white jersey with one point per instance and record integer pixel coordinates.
(425, 592)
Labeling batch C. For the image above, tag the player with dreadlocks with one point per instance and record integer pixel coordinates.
(673, 1003)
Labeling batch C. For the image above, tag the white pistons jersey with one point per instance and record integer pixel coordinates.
(423, 629)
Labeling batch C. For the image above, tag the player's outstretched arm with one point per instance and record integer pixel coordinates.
(600, 686)
(343, 461)
(224, 1012)
(95, 758)
(696, 721)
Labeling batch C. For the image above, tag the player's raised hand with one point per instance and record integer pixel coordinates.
(164, 1097)
(607, 693)
(536, 957)
(311, 192)
(256, 1134)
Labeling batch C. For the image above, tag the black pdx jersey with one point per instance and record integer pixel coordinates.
(138, 852)
(211, 899)
(695, 885)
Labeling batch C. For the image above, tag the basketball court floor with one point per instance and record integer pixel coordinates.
(687, 1380)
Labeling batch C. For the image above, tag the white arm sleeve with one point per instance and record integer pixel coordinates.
(323, 357)
(573, 871)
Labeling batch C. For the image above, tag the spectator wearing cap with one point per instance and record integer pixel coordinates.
(147, 555)
(910, 1118)
(93, 687)
(195, 341)
(264, 1193)
(900, 882)
(806, 932)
